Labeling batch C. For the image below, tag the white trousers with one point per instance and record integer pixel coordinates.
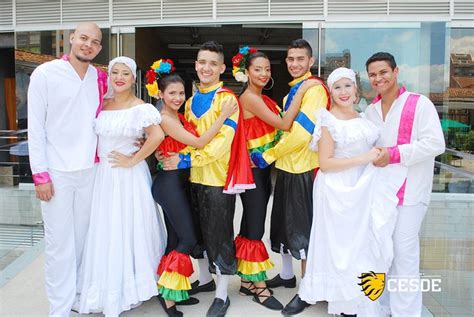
(406, 260)
(66, 221)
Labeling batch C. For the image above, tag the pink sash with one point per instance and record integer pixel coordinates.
(404, 133)
(102, 85)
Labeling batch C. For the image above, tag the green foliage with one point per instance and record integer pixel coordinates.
(468, 144)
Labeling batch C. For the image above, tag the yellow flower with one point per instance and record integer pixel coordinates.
(235, 70)
(152, 89)
(156, 64)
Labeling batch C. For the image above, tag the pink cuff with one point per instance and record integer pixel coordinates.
(41, 178)
(394, 153)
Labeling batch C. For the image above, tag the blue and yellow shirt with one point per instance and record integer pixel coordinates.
(292, 152)
(209, 165)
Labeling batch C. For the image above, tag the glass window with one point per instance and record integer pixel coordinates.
(419, 49)
(458, 100)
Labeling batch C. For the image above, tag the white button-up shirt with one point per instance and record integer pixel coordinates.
(61, 111)
(427, 141)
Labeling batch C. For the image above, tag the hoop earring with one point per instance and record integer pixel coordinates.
(271, 86)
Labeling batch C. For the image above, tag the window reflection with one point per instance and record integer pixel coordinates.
(457, 164)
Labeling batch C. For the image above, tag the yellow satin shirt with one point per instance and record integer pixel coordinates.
(292, 153)
(209, 165)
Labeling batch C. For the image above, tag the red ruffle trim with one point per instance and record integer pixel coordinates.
(250, 250)
(171, 145)
(256, 127)
(176, 262)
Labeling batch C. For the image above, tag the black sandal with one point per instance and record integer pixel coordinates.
(170, 311)
(269, 302)
(247, 291)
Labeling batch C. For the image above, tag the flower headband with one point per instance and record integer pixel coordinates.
(238, 62)
(159, 68)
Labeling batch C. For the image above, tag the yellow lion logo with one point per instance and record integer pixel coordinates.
(373, 284)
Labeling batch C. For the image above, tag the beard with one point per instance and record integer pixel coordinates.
(83, 59)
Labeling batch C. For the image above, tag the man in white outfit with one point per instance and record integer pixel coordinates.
(64, 97)
(411, 135)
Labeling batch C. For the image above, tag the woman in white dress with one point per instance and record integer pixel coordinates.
(126, 238)
(354, 206)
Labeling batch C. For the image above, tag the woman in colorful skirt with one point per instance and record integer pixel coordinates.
(263, 124)
(170, 188)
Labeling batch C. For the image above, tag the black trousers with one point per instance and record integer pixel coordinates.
(215, 211)
(292, 213)
(254, 202)
(171, 191)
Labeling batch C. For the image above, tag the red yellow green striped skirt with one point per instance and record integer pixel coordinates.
(174, 270)
(252, 259)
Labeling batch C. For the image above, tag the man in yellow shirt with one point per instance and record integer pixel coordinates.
(209, 168)
(295, 163)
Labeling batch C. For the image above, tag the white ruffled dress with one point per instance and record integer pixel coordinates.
(126, 237)
(353, 221)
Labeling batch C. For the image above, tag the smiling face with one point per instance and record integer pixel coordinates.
(86, 42)
(173, 96)
(298, 62)
(121, 78)
(382, 77)
(259, 72)
(209, 67)
(343, 92)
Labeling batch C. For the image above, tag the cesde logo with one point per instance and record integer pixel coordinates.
(373, 284)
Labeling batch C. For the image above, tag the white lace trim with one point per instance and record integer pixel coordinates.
(127, 122)
(343, 132)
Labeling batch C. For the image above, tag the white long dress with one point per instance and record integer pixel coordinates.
(126, 237)
(354, 217)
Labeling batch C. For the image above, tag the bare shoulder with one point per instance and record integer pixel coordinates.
(169, 120)
(138, 101)
(248, 98)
